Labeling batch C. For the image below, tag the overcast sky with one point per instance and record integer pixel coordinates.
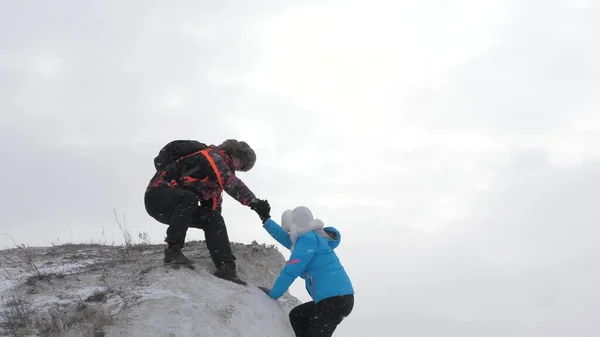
(455, 145)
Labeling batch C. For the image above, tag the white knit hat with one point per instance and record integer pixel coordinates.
(298, 222)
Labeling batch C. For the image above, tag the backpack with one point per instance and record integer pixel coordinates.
(175, 150)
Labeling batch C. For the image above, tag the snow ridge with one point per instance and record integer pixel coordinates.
(105, 290)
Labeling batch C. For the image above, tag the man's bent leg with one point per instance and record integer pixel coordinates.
(217, 242)
(182, 215)
(174, 207)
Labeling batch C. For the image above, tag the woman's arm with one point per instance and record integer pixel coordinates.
(278, 233)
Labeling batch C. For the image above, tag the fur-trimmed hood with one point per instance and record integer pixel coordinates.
(300, 221)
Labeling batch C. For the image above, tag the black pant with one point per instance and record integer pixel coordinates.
(179, 209)
(321, 319)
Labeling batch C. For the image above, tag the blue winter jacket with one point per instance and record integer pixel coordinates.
(312, 259)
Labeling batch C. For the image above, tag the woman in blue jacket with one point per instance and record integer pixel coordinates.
(314, 260)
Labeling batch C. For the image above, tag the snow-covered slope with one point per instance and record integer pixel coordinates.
(102, 290)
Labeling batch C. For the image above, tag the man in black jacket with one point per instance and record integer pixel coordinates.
(188, 192)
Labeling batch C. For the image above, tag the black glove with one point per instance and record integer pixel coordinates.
(262, 208)
(266, 290)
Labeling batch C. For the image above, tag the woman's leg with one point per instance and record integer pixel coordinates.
(300, 317)
(329, 314)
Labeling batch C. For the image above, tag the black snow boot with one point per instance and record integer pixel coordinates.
(227, 272)
(173, 255)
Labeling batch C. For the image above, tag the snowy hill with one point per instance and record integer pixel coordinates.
(106, 290)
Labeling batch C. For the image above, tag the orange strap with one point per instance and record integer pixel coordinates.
(214, 166)
(189, 155)
(210, 160)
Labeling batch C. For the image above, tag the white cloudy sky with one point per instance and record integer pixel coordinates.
(456, 145)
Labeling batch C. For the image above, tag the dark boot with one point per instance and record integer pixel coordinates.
(227, 272)
(173, 255)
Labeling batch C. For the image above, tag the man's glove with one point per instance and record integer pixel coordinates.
(266, 290)
(262, 208)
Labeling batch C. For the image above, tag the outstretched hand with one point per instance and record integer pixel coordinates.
(262, 208)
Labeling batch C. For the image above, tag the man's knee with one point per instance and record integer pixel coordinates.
(207, 219)
(214, 221)
(188, 199)
(163, 204)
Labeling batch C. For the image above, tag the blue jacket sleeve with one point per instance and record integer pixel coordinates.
(278, 233)
(301, 257)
